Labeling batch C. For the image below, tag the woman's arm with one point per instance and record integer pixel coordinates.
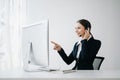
(68, 59)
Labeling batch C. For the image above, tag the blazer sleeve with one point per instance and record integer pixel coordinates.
(68, 59)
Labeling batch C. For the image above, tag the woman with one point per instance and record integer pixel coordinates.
(84, 51)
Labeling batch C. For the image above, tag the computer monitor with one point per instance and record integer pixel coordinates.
(35, 44)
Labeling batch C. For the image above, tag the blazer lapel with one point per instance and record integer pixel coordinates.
(89, 41)
(75, 50)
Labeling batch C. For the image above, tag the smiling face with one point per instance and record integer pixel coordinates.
(80, 29)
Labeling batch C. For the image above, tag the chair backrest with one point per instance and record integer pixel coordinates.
(97, 62)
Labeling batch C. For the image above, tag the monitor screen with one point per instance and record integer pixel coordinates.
(35, 44)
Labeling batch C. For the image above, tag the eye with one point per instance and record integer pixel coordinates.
(79, 27)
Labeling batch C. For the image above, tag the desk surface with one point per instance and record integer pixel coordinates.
(81, 74)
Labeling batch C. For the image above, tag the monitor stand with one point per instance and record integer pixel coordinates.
(32, 65)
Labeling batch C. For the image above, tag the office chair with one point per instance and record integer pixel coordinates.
(97, 62)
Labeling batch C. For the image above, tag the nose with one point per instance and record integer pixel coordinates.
(76, 30)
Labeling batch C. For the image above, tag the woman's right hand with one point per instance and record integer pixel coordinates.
(56, 46)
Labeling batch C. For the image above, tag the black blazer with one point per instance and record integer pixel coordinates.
(88, 52)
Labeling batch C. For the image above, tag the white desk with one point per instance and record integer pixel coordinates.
(58, 75)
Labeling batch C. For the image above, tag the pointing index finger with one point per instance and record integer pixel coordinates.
(54, 43)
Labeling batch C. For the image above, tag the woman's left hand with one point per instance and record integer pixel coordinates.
(87, 34)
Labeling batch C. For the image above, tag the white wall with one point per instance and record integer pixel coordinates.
(62, 14)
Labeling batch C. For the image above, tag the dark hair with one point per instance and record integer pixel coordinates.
(85, 23)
